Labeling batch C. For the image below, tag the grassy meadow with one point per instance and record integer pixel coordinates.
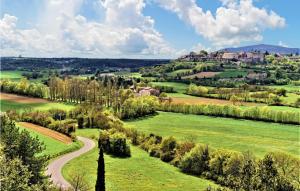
(178, 87)
(12, 75)
(53, 147)
(12, 105)
(139, 172)
(233, 134)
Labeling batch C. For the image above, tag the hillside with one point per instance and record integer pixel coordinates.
(263, 48)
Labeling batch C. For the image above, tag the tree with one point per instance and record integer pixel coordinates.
(196, 161)
(19, 144)
(248, 172)
(78, 182)
(14, 175)
(100, 183)
(267, 174)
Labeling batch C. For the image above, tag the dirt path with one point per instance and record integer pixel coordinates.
(55, 167)
(21, 99)
(48, 132)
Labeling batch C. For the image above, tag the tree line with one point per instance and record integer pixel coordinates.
(252, 113)
(238, 171)
(24, 87)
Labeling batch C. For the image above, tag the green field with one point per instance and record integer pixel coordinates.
(240, 135)
(291, 98)
(11, 105)
(174, 73)
(289, 88)
(232, 74)
(12, 75)
(53, 147)
(178, 87)
(139, 172)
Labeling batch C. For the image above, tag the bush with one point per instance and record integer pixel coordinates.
(114, 143)
(58, 114)
(168, 144)
(196, 161)
(118, 145)
(167, 156)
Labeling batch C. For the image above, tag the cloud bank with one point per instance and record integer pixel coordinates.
(127, 32)
(233, 23)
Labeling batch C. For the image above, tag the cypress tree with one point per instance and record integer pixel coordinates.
(100, 184)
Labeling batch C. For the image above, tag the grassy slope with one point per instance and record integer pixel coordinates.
(139, 172)
(10, 105)
(178, 87)
(53, 147)
(11, 74)
(289, 87)
(232, 74)
(240, 135)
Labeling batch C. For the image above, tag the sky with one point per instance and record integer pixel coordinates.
(143, 28)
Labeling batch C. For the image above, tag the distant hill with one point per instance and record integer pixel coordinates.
(263, 48)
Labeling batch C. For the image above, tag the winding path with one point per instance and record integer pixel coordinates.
(55, 167)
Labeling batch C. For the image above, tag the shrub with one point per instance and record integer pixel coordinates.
(195, 161)
(155, 152)
(114, 143)
(118, 145)
(58, 114)
(167, 156)
(168, 144)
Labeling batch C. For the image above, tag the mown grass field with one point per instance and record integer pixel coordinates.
(239, 135)
(289, 88)
(53, 147)
(232, 74)
(178, 87)
(11, 105)
(139, 172)
(12, 75)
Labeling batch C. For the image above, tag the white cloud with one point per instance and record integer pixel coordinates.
(125, 32)
(233, 23)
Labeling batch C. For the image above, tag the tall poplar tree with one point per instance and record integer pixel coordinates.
(100, 184)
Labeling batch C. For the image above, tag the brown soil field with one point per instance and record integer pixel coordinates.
(21, 99)
(202, 101)
(48, 132)
(202, 75)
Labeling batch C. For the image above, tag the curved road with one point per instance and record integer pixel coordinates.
(55, 167)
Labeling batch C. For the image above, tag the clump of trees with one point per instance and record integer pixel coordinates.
(114, 143)
(139, 106)
(196, 90)
(166, 89)
(22, 166)
(253, 113)
(24, 87)
(52, 119)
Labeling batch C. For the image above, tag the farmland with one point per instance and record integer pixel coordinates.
(53, 147)
(20, 103)
(123, 173)
(240, 135)
(13, 75)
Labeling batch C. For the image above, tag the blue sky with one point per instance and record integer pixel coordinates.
(143, 28)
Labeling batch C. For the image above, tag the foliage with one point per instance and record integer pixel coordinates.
(24, 87)
(197, 90)
(196, 161)
(139, 106)
(22, 150)
(100, 183)
(114, 143)
(253, 113)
